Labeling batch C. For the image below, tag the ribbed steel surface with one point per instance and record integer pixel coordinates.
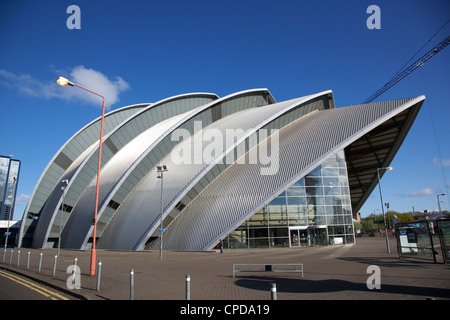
(204, 201)
(241, 190)
(66, 156)
(138, 191)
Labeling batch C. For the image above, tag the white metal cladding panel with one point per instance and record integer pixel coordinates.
(53, 202)
(163, 147)
(78, 225)
(76, 145)
(237, 193)
(125, 133)
(278, 113)
(240, 120)
(156, 113)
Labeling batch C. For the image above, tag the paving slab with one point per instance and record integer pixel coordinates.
(330, 273)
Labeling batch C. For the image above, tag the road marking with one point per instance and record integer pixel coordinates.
(33, 286)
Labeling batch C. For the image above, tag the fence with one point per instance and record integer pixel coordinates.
(424, 239)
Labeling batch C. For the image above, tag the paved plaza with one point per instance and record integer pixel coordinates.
(330, 273)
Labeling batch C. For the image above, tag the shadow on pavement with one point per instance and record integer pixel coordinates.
(289, 285)
(395, 262)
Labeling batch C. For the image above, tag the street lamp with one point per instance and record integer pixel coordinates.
(439, 202)
(382, 207)
(64, 184)
(160, 175)
(64, 82)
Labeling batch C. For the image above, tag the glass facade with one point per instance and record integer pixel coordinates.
(316, 210)
(9, 175)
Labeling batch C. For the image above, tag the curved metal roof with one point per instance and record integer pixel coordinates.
(139, 179)
(78, 227)
(249, 123)
(219, 187)
(303, 145)
(79, 188)
(83, 169)
(66, 155)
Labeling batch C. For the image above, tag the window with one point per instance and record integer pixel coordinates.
(320, 198)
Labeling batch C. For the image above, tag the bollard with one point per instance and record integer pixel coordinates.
(40, 262)
(74, 270)
(18, 258)
(99, 274)
(132, 284)
(54, 265)
(10, 258)
(273, 291)
(28, 260)
(4, 255)
(188, 287)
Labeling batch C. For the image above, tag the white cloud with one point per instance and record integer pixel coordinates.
(442, 163)
(424, 192)
(22, 199)
(89, 78)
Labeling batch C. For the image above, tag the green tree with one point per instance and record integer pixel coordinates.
(367, 225)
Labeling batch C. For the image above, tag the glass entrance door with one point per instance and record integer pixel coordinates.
(304, 238)
(308, 237)
(318, 237)
(299, 237)
(294, 238)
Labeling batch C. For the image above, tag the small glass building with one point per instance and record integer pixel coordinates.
(315, 210)
(9, 177)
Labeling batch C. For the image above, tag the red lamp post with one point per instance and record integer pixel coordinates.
(64, 82)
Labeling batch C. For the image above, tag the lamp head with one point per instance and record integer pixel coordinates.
(63, 82)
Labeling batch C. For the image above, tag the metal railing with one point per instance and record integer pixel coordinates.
(279, 267)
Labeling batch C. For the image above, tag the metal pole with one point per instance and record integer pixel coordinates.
(382, 208)
(64, 183)
(63, 82)
(439, 202)
(74, 272)
(161, 243)
(160, 175)
(273, 291)
(132, 284)
(99, 275)
(54, 265)
(188, 287)
(18, 258)
(28, 260)
(433, 252)
(40, 262)
(93, 252)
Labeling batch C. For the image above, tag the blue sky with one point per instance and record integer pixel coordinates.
(144, 51)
